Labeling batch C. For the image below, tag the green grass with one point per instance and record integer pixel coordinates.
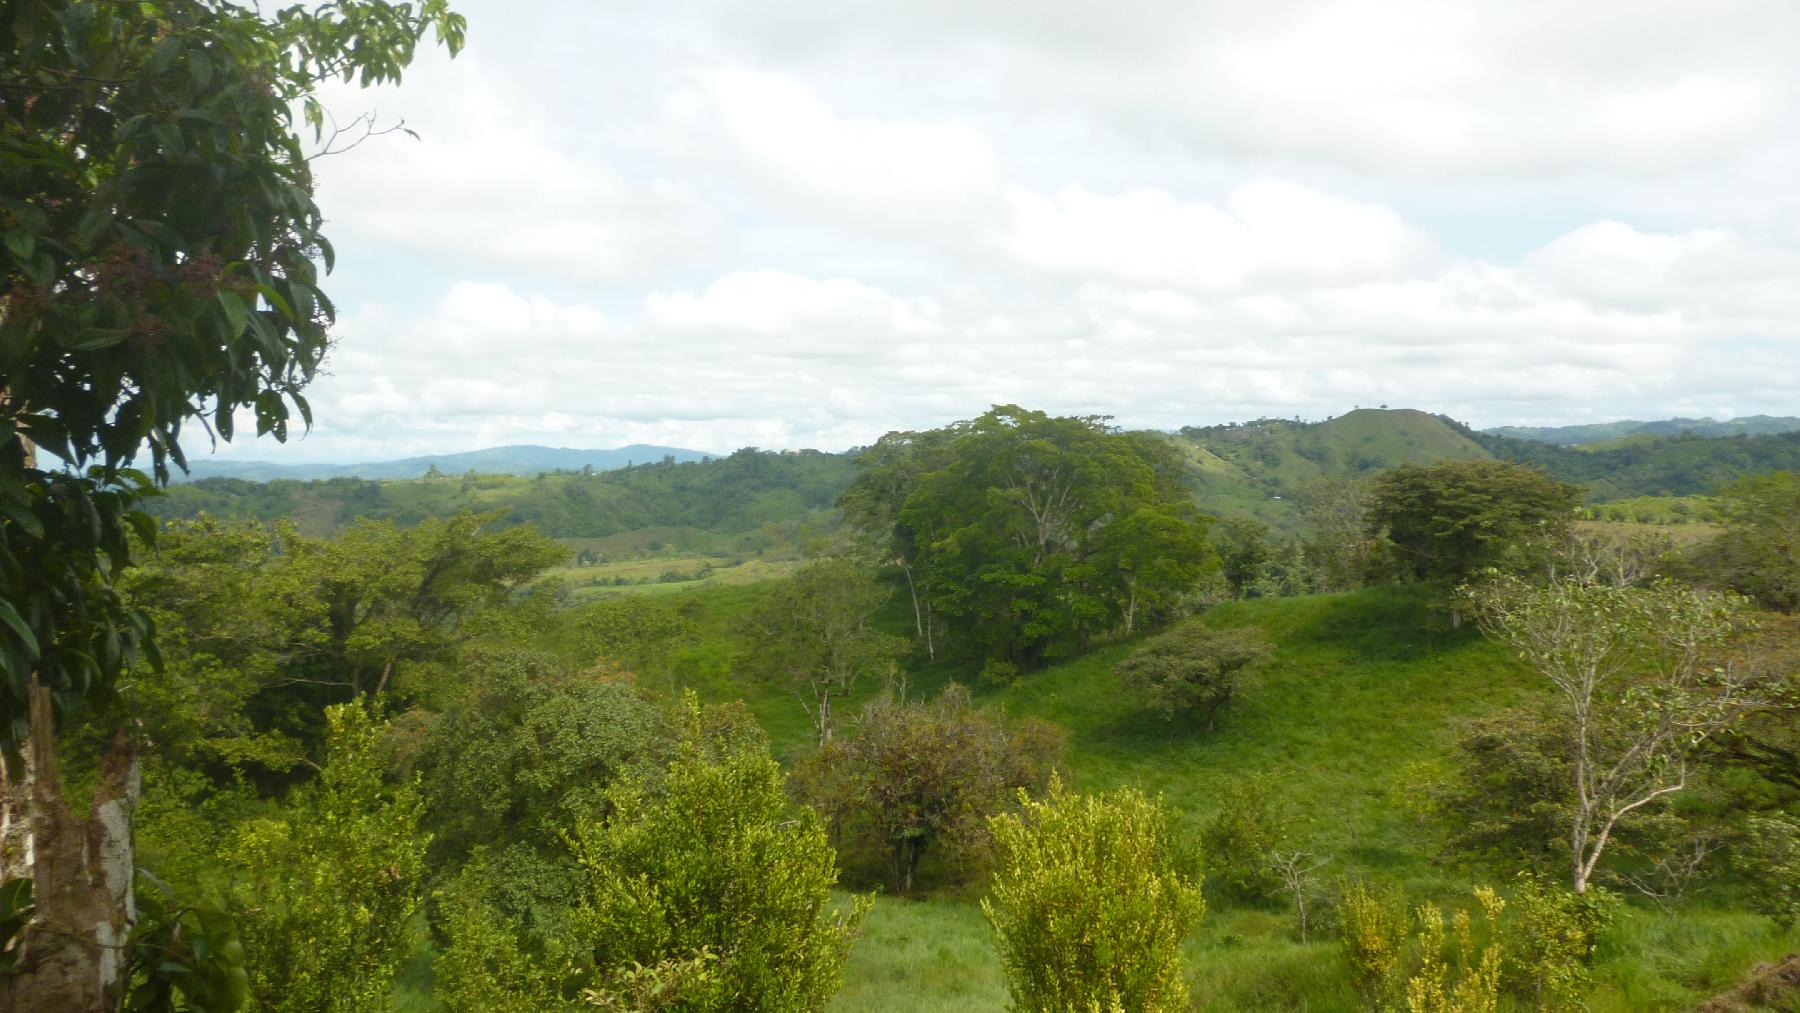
(1362, 684)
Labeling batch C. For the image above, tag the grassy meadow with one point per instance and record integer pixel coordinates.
(1363, 686)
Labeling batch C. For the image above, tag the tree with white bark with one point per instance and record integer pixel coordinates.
(1644, 679)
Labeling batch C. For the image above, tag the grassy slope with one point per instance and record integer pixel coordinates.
(1362, 684)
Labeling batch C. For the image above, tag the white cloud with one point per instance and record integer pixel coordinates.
(900, 175)
(800, 222)
(1269, 232)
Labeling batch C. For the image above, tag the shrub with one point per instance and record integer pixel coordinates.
(325, 893)
(712, 892)
(917, 775)
(1192, 671)
(1087, 906)
(1472, 985)
(1552, 940)
(1372, 925)
(1770, 859)
(1241, 836)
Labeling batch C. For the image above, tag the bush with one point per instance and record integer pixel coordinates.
(920, 775)
(1372, 925)
(1087, 907)
(1241, 836)
(712, 892)
(326, 892)
(1192, 670)
(1552, 941)
(1472, 983)
(1770, 859)
(1541, 954)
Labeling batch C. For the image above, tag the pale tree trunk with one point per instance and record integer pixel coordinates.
(75, 950)
(921, 610)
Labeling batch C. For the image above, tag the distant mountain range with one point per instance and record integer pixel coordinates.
(515, 460)
(1601, 432)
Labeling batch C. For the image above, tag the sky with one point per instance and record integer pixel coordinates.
(714, 224)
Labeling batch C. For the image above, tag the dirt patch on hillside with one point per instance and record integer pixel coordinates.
(1773, 986)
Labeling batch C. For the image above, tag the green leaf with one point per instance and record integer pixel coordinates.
(237, 315)
(93, 226)
(21, 244)
(10, 616)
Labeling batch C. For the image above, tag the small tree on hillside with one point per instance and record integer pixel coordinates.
(920, 774)
(1193, 670)
(1089, 906)
(817, 632)
(1643, 684)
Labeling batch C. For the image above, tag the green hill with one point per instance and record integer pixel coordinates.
(740, 492)
(513, 460)
(1365, 689)
(1601, 432)
(1259, 468)
(1658, 466)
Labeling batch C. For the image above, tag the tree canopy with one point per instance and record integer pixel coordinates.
(161, 266)
(1029, 533)
(1446, 521)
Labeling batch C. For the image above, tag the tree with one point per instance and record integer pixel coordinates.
(817, 632)
(1088, 904)
(1244, 554)
(326, 891)
(918, 774)
(1339, 548)
(160, 267)
(1193, 670)
(1642, 684)
(1037, 532)
(713, 878)
(1448, 520)
(1758, 553)
(527, 752)
(263, 629)
(887, 475)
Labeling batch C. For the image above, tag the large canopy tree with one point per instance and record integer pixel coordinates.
(160, 255)
(1030, 532)
(1447, 521)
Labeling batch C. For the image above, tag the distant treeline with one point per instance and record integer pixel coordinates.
(739, 492)
(1670, 466)
(1255, 470)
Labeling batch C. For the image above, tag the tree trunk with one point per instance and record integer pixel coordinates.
(74, 953)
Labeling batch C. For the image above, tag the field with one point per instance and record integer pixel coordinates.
(1363, 685)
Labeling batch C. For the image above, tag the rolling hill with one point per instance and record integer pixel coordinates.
(522, 459)
(1602, 432)
(1255, 469)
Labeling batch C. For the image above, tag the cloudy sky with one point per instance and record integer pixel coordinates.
(785, 224)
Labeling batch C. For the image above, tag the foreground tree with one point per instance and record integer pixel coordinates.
(712, 879)
(159, 267)
(1643, 682)
(325, 891)
(1447, 521)
(1089, 906)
